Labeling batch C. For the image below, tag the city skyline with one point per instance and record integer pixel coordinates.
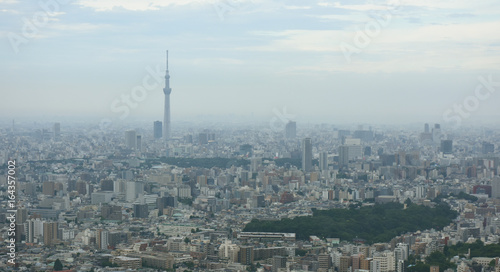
(244, 60)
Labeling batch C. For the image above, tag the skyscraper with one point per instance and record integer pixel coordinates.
(102, 239)
(323, 161)
(166, 117)
(130, 139)
(436, 133)
(306, 154)
(291, 130)
(138, 143)
(495, 187)
(49, 233)
(447, 146)
(343, 155)
(487, 148)
(157, 129)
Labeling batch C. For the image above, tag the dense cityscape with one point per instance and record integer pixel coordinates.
(277, 136)
(121, 200)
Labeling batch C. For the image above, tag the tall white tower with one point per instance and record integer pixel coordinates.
(166, 117)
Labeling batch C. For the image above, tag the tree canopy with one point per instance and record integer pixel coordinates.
(378, 223)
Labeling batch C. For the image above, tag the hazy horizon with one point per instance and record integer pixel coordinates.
(241, 61)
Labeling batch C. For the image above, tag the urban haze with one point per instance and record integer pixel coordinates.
(239, 135)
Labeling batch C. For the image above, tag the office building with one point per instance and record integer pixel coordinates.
(436, 133)
(306, 155)
(139, 143)
(109, 212)
(157, 129)
(495, 187)
(278, 262)
(48, 188)
(245, 256)
(141, 211)
(323, 161)
(325, 261)
(291, 130)
(130, 139)
(447, 146)
(132, 190)
(102, 239)
(487, 148)
(50, 233)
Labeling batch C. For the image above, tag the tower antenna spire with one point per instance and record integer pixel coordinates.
(167, 60)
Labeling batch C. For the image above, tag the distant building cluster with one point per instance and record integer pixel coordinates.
(124, 200)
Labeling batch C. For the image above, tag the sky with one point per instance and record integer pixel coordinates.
(239, 60)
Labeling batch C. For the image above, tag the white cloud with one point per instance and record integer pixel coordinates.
(143, 5)
(297, 7)
(448, 47)
(363, 7)
(9, 1)
(10, 11)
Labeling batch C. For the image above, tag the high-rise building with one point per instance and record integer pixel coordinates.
(245, 255)
(48, 188)
(50, 233)
(345, 263)
(109, 212)
(157, 129)
(165, 201)
(426, 128)
(278, 262)
(323, 161)
(349, 152)
(306, 154)
(291, 130)
(130, 139)
(81, 187)
(166, 117)
(255, 163)
(343, 155)
(436, 133)
(102, 239)
(22, 215)
(141, 211)
(495, 187)
(487, 148)
(203, 138)
(132, 190)
(107, 185)
(139, 143)
(30, 230)
(325, 261)
(447, 146)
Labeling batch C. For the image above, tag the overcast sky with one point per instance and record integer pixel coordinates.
(325, 61)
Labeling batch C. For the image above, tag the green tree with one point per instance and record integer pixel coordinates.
(58, 265)
(189, 265)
